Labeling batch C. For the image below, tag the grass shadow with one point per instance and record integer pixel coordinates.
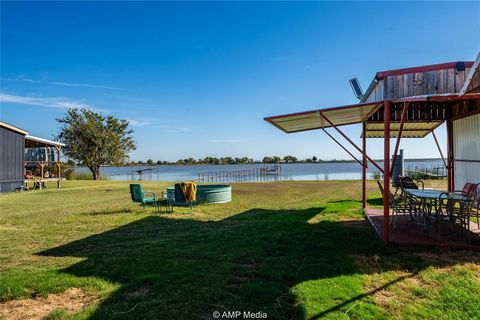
(376, 202)
(184, 269)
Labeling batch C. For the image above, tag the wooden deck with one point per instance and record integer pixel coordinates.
(410, 233)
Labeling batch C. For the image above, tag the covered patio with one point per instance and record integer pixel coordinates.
(41, 155)
(408, 103)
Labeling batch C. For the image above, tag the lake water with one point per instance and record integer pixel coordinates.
(251, 172)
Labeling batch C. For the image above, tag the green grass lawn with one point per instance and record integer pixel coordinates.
(293, 250)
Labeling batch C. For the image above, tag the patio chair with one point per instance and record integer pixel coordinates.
(399, 205)
(476, 204)
(455, 211)
(409, 183)
(469, 189)
(472, 190)
(185, 194)
(138, 195)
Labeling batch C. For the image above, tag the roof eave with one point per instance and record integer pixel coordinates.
(44, 141)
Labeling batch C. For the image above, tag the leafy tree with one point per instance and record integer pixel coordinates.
(290, 159)
(150, 162)
(159, 162)
(276, 159)
(314, 159)
(267, 160)
(94, 139)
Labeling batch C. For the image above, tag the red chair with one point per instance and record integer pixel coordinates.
(472, 191)
(468, 189)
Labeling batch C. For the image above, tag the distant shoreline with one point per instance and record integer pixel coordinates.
(259, 163)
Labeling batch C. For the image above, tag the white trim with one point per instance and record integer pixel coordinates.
(470, 75)
(50, 142)
(13, 128)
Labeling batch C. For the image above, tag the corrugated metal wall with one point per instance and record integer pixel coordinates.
(466, 136)
(12, 146)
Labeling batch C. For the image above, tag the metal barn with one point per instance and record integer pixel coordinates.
(19, 151)
(12, 146)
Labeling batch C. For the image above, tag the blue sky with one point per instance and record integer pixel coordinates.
(196, 79)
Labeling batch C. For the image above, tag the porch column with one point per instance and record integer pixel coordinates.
(364, 166)
(59, 166)
(42, 166)
(386, 172)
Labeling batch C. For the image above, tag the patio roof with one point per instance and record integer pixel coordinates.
(311, 120)
(359, 113)
(36, 142)
(410, 129)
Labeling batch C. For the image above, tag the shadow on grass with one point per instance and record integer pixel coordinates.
(186, 269)
(377, 202)
(370, 201)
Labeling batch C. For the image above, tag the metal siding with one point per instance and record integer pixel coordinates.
(11, 159)
(466, 133)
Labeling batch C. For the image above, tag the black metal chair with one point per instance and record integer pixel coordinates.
(415, 204)
(456, 210)
(399, 205)
(410, 183)
(476, 204)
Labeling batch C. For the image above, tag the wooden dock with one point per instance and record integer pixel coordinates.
(263, 173)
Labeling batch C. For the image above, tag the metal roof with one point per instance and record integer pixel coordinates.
(311, 120)
(359, 113)
(13, 128)
(410, 129)
(36, 142)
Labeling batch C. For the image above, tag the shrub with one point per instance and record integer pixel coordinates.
(85, 176)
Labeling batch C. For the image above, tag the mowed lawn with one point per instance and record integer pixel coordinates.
(292, 250)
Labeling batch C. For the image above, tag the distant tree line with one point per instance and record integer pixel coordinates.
(233, 160)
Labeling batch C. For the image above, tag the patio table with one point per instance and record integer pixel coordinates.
(429, 199)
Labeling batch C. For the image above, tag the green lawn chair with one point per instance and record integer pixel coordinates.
(139, 196)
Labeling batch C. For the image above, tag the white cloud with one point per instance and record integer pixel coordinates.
(64, 84)
(227, 140)
(138, 123)
(58, 103)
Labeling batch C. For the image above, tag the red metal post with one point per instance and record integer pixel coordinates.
(364, 166)
(351, 142)
(386, 173)
(400, 131)
(450, 170)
